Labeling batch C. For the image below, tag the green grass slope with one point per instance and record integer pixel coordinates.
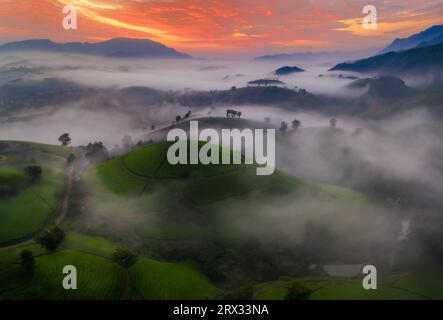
(99, 278)
(25, 205)
(154, 280)
(154, 201)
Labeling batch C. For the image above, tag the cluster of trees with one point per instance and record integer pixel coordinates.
(50, 238)
(295, 125)
(96, 152)
(230, 113)
(186, 116)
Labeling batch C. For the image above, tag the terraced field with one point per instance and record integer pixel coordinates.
(98, 277)
(169, 281)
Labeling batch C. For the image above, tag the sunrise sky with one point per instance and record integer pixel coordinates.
(205, 26)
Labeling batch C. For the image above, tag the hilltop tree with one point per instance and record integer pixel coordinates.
(33, 171)
(283, 126)
(296, 124)
(188, 114)
(65, 139)
(28, 262)
(178, 118)
(51, 238)
(96, 152)
(124, 257)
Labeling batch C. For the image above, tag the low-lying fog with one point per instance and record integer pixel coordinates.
(195, 74)
(404, 148)
(85, 123)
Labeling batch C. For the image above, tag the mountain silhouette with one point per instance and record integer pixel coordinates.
(117, 48)
(417, 39)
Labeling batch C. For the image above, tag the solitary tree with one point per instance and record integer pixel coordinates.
(51, 238)
(124, 257)
(296, 124)
(33, 171)
(333, 122)
(65, 139)
(239, 114)
(28, 262)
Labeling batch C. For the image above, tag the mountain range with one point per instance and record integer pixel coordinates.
(430, 36)
(114, 48)
(419, 53)
(422, 59)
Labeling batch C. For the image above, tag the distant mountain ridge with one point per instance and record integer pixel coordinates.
(287, 70)
(291, 56)
(418, 39)
(417, 60)
(314, 56)
(117, 48)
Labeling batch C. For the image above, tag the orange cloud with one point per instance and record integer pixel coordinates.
(225, 25)
(355, 26)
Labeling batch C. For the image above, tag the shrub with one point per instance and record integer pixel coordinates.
(124, 257)
(297, 291)
(28, 262)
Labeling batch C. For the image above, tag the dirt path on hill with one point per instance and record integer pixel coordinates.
(128, 283)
